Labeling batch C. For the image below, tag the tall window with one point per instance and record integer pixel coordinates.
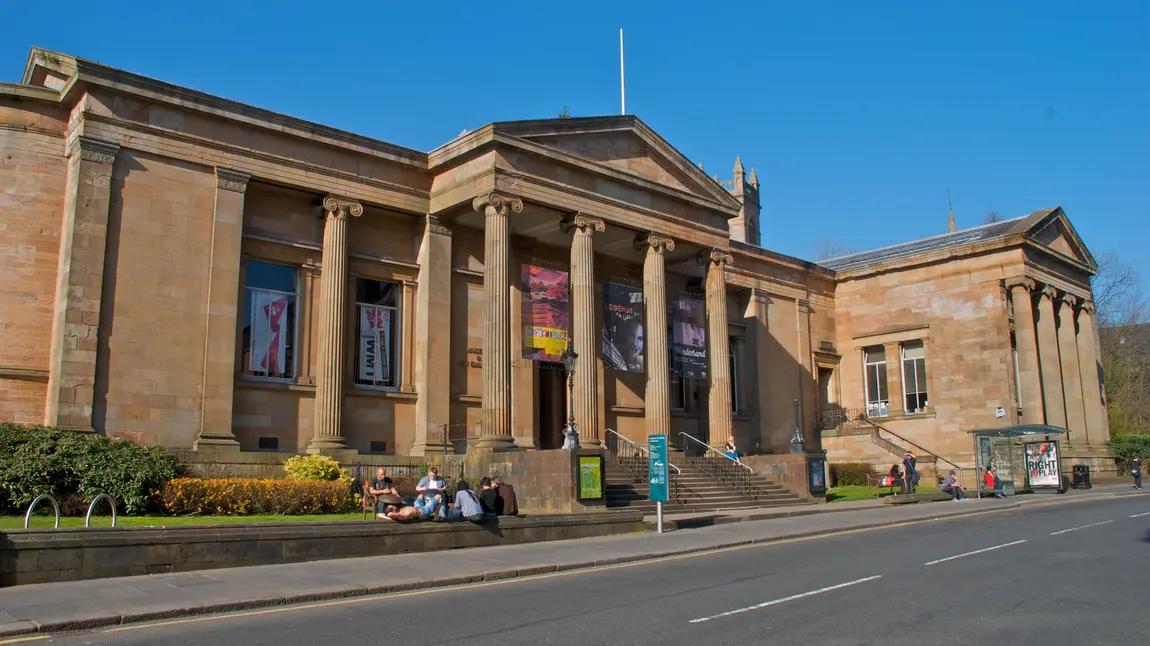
(377, 322)
(914, 376)
(1017, 377)
(269, 320)
(734, 375)
(877, 397)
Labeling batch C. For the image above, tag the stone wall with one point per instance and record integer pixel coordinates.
(789, 470)
(545, 481)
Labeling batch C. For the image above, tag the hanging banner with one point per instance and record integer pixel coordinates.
(623, 327)
(374, 344)
(546, 313)
(1042, 464)
(268, 336)
(689, 338)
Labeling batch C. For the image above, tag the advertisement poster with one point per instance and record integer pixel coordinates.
(818, 475)
(590, 477)
(984, 449)
(623, 327)
(269, 334)
(689, 338)
(546, 313)
(1042, 464)
(374, 343)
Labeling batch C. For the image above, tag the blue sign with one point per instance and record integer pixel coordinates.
(657, 467)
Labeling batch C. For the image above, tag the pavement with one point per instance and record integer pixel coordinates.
(124, 603)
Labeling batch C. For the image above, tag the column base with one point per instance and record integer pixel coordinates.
(216, 442)
(329, 445)
(495, 443)
(431, 448)
(591, 443)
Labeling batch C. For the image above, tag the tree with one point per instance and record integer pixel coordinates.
(1118, 296)
(565, 113)
(1120, 306)
(830, 249)
(992, 216)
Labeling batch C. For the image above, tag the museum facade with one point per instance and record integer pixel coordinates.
(187, 270)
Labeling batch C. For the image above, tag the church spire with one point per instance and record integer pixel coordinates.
(738, 166)
(951, 225)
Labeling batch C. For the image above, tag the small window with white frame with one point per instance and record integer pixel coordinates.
(377, 338)
(877, 394)
(914, 377)
(269, 335)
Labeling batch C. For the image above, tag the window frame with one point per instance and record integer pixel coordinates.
(734, 367)
(396, 341)
(245, 361)
(880, 407)
(922, 392)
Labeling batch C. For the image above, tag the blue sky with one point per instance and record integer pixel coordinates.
(857, 115)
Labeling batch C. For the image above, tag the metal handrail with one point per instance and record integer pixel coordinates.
(642, 449)
(880, 427)
(719, 453)
(55, 508)
(92, 507)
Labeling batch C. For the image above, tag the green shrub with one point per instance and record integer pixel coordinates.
(316, 468)
(847, 474)
(68, 465)
(242, 497)
(1126, 447)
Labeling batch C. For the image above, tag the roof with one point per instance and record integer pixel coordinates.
(984, 233)
(1022, 430)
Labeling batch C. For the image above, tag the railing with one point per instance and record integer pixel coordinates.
(842, 418)
(717, 465)
(92, 507)
(635, 459)
(920, 447)
(55, 508)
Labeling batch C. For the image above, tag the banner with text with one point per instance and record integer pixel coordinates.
(1042, 464)
(689, 338)
(623, 327)
(546, 313)
(269, 334)
(375, 345)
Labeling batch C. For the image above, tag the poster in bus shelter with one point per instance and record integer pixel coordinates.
(1042, 463)
(689, 338)
(546, 313)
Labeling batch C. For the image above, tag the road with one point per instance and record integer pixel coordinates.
(1067, 573)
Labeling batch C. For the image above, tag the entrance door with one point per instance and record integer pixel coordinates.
(552, 405)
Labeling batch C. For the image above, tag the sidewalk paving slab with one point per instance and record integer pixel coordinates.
(54, 607)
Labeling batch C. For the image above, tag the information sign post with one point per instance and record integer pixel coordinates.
(658, 470)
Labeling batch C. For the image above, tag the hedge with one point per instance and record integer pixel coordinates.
(75, 467)
(1126, 447)
(243, 496)
(850, 474)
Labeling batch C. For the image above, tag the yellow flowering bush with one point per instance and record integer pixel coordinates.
(245, 496)
(316, 468)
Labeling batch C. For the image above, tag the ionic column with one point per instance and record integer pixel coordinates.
(333, 301)
(496, 434)
(222, 313)
(586, 403)
(1097, 426)
(719, 363)
(1071, 374)
(1026, 343)
(1048, 360)
(657, 406)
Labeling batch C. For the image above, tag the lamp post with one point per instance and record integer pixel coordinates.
(571, 432)
(797, 438)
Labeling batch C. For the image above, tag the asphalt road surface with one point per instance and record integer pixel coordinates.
(1068, 573)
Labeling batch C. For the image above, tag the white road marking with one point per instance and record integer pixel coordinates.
(1141, 515)
(1074, 529)
(786, 599)
(985, 549)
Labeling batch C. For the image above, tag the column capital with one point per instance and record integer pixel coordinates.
(341, 207)
(1087, 306)
(95, 150)
(435, 225)
(499, 202)
(229, 179)
(1049, 291)
(658, 243)
(716, 257)
(1024, 283)
(585, 223)
(1070, 300)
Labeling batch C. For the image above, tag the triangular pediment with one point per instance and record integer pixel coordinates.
(1057, 234)
(626, 145)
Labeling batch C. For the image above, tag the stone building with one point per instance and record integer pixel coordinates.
(183, 269)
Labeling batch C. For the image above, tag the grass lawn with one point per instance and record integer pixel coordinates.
(46, 522)
(846, 494)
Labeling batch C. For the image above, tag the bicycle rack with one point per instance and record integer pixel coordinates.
(91, 507)
(55, 508)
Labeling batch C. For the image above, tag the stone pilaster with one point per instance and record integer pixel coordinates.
(432, 343)
(496, 435)
(1026, 343)
(222, 313)
(1071, 374)
(757, 317)
(657, 400)
(79, 284)
(1097, 425)
(1052, 394)
(585, 332)
(718, 359)
(328, 436)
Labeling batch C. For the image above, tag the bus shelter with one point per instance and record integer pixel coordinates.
(1017, 452)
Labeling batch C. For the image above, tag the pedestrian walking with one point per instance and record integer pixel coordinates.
(1136, 471)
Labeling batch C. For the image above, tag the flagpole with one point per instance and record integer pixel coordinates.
(622, 78)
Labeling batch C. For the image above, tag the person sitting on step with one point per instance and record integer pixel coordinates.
(466, 505)
(951, 486)
(387, 496)
(732, 452)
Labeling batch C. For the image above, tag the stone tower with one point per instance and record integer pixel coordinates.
(745, 228)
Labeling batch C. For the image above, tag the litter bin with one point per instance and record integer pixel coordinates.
(1081, 478)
